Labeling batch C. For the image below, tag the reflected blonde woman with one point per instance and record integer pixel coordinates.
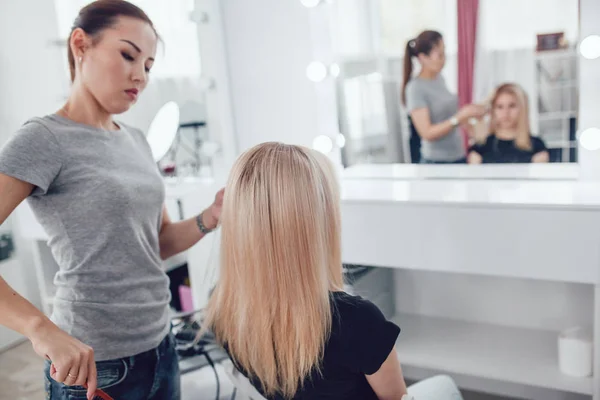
(509, 139)
(279, 307)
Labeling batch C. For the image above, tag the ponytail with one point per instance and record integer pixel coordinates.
(422, 44)
(408, 67)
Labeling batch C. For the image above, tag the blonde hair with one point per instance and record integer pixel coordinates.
(523, 138)
(280, 259)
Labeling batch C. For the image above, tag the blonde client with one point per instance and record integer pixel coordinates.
(279, 307)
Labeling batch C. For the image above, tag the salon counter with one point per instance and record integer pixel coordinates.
(530, 230)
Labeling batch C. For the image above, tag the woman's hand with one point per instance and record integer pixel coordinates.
(474, 158)
(470, 111)
(72, 361)
(211, 216)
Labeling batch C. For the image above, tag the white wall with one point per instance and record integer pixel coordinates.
(29, 67)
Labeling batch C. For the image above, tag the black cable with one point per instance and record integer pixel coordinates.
(233, 394)
(212, 364)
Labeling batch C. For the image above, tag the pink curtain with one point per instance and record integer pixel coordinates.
(467, 13)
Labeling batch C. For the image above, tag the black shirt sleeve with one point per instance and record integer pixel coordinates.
(371, 336)
(538, 145)
(482, 148)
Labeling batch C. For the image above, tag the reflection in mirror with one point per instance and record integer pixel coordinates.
(163, 130)
(480, 91)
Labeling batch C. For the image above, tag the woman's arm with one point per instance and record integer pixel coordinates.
(541, 157)
(474, 158)
(388, 382)
(175, 237)
(68, 355)
(432, 132)
(427, 130)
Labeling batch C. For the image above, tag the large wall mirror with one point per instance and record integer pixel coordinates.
(531, 45)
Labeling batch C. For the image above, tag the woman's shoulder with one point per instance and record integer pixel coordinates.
(485, 145)
(537, 144)
(355, 309)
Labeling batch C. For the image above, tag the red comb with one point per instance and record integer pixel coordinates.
(100, 394)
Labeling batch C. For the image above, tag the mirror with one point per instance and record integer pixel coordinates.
(531, 44)
(163, 130)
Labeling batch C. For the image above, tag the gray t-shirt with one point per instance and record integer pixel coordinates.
(442, 105)
(99, 197)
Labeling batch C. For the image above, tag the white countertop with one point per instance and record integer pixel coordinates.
(557, 171)
(471, 192)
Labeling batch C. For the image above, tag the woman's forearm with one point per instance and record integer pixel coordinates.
(437, 131)
(17, 313)
(176, 237)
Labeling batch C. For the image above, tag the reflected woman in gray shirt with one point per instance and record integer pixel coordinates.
(433, 110)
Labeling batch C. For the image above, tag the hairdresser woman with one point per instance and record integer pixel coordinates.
(93, 185)
(433, 110)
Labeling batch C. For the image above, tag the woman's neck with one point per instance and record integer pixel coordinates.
(428, 74)
(506, 134)
(83, 108)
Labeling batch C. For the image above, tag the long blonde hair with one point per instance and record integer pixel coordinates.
(523, 138)
(280, 259)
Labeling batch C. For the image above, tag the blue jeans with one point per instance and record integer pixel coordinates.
(153, 374)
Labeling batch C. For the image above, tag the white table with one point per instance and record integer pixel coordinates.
(537, 230)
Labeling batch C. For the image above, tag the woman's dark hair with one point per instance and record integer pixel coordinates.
(422, 44)
(100, 15)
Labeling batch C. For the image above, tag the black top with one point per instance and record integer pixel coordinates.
(496, 150)
(361, 340)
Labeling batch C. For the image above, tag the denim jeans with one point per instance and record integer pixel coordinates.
(153, 375)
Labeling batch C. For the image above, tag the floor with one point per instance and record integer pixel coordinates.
(21, 369)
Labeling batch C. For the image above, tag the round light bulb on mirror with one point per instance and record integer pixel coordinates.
(590, 139)
(310, 3)
(334, 70)
(590, 47)
(323, 143)
(316, 71)
(341, 140)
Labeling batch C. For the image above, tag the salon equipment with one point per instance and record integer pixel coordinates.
(196, 352)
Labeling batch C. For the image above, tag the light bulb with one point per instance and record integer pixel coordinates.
(310, 3)
(316, 71)
(334, 70)
(590, 139)
(323, 143)
(590, 47)
(341, 140)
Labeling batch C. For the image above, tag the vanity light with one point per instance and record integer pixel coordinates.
(334, 70)
(316, 71)
(590, 139)
(341, 140)
(323, 143)
(590, 47)
(310, 3)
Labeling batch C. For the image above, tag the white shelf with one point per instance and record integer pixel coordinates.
(513, 355)
(556, 54)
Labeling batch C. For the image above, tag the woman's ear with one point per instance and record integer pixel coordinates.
(79, 42)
